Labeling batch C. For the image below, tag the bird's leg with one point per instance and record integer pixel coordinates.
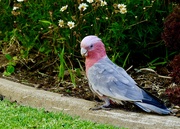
(105, 106)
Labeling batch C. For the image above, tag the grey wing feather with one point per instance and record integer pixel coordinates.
(110, 80)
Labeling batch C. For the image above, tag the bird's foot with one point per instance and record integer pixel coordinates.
(105, 106)
(102, 107)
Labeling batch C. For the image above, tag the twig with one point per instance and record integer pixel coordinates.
(50, 63)
(146, 69)
(138, 23)
(129, 68)
(167, 77)
(151, 70)
(80, 65)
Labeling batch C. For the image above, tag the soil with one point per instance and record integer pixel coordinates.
(47, 79)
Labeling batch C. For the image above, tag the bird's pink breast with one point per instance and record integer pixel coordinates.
(95, 55)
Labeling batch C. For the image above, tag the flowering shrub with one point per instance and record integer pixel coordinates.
(173, 95)
(175, 65)
(171, 31)
(44, 28)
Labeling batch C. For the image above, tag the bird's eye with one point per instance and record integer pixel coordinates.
(91, 46)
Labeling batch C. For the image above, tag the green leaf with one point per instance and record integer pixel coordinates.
(46, 22)
(125, 61)
(10, 69)
(9, 57)
(6, 73)
(42, 49)
(61, 67)
(15, 58)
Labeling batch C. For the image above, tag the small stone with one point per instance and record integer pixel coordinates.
(174, 110)
(178, 115)
(176, 107)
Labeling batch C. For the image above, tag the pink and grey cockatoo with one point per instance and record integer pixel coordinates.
(111, 82)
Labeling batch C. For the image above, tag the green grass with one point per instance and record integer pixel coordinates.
(14, 116)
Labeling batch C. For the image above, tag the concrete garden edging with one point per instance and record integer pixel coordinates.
(37, 98)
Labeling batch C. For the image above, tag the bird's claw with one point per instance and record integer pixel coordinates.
(102, 107)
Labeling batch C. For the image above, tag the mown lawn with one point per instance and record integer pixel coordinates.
(14, 116)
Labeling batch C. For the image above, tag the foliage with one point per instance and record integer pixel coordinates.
(175, 65)
(16, 116)
(173, 95)
(171, 31)
(41, 30)
(10, 67)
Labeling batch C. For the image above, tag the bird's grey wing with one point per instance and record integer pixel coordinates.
(120, 70)
(107, 79)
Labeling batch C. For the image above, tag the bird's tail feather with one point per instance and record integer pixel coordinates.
(152, 108)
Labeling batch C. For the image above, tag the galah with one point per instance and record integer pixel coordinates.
(111, 82)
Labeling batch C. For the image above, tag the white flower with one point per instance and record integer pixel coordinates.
(63, 8)
(123, 10)
(103, 3)
(61, 23)
(120, 6)
(20, 0)
(83, 6)
(90, 1)
(15, 8)
(70, 24)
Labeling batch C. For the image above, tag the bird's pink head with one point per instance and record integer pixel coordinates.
(93, 49)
